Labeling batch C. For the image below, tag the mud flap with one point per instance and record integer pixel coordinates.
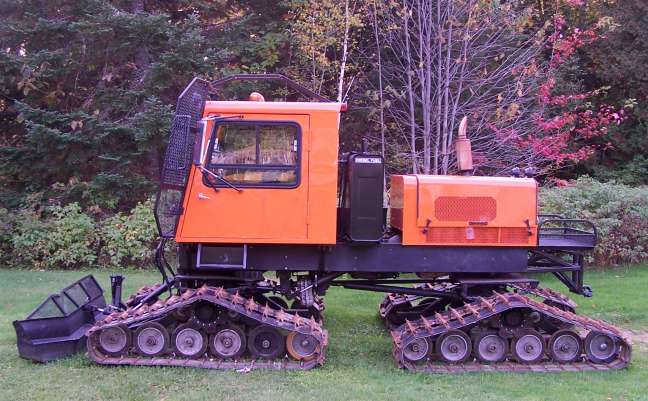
(57, 327)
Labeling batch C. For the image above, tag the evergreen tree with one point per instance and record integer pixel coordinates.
(618, 63)
(88, 87)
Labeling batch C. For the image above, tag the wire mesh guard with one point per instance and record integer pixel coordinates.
(177, 158)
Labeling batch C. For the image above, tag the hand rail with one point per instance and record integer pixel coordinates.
(550, 216)
(566, 230)
(271, 77)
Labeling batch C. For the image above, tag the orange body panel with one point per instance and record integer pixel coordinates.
(302, 215)
(460, 210)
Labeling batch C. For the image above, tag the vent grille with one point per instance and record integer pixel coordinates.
(463, 235)
(514, 236)
(477, 235)
(465, 208)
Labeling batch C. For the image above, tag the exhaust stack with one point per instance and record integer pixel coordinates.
(463, 149)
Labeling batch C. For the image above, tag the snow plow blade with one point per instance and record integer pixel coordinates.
(57, 327)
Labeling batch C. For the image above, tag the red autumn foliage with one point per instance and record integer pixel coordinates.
(568, 123)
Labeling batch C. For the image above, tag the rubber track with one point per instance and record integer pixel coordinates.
(484, 308)
(217, 295)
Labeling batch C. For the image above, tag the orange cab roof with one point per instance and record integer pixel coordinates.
(273, 107)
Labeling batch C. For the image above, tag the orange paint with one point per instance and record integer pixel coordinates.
(460, 210)
(427, 209)
(302, 215)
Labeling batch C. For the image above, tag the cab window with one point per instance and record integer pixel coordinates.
(247, 153)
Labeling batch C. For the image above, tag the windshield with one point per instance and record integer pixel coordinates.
(256, 153)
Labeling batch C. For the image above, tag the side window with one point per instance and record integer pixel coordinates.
(278, 145)
(256, 154)
(236, 144)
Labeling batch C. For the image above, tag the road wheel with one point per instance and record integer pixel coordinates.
(454, 346)
(266, 342)
(417, 350)
(151, 339)
(565, 346)
(228, 342)
(189, 341)
(489, 347)
(601, 347)
(302, 347)
(528, 347)
(115, 340)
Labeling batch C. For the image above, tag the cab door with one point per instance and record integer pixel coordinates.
(253, 186)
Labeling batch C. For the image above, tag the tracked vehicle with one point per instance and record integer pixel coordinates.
(267, 216)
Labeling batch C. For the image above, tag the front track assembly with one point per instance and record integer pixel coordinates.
(522, 330)
(212, 328)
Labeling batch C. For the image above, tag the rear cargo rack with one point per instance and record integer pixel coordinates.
(556, 232)
(57, 327)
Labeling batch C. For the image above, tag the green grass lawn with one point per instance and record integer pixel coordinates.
(359, 364)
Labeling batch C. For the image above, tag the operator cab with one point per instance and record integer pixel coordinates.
(265, 172)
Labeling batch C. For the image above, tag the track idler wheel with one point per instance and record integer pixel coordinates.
(454, 346)
(189, 341)
(302, 347)
(206, 316)
(489, 347)
(151, 339)
(601, 347)
(418, 350)
(228, 342)
(528, 347)
(115, 340)
(266, 342)
(565, 346)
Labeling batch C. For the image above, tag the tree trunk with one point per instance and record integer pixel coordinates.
(380, 82)
(345, 46)
(410, 96)
(446, 96)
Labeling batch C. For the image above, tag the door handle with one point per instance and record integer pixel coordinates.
(202, 196)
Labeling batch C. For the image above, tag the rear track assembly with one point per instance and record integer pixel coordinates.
(508, 331)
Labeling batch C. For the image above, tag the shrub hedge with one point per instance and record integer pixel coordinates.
(68, 237)
(620, 213)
